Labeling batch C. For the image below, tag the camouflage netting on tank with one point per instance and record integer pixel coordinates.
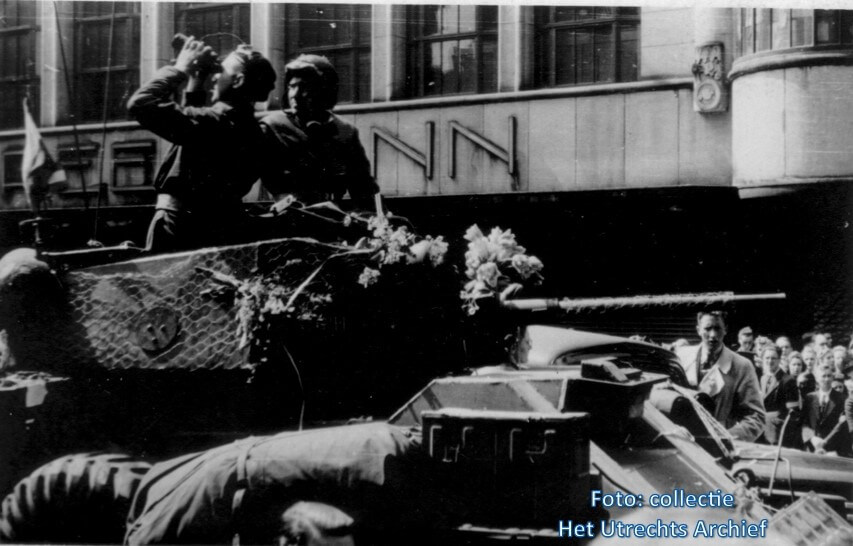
(178, 310)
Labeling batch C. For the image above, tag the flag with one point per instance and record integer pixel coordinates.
(39, 171)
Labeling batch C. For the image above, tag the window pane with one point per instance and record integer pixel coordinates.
(242, 26)
(105, 70)
(363, 16)
(605, 62)
(432, 73)
(305, 34)
(449, 66)
(94, 45)
(363, 81)
(453, 49)
(343, 25)
(628, 53)
(431, 20)
(16, 13)
(467, 18)
(449, 19)
(847, 26)
(490, 65)
(222, 26)
(88, 9)
(487, 18)
(738, 32)
(802, 25)
(468, 73)
(565, 57)
(17, 61)
(586, 45)
(334, 30)
(781, 29)
(564, 14)
(324, 25)
(343, 65)
(762, 29)
(748, 36)
(826, 26)
(9, 59)
(584, 13)
(585, 56)
(123, 47)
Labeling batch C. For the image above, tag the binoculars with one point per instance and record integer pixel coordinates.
(210, 63)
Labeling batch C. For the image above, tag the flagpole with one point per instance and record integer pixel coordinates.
(104, 113)
(71, 109)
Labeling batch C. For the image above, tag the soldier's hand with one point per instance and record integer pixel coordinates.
(195, 56)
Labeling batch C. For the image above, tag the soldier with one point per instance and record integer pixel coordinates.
(315, 155)
(216, 154)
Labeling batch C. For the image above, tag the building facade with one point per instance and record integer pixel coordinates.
(668, 148)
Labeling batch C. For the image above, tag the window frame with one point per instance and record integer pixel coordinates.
(132, 44)
(30, 77)
(355, 47)
(417, 42)
(183, 10)
(545, 43)
(749, 14)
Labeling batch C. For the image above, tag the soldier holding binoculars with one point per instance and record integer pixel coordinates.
(215, 158)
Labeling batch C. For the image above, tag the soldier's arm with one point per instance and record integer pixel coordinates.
(154, 107)
(361, 185)
(749, 408)
(274, 174)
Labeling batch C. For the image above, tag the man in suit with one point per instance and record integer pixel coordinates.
(726, 377)
(822, 413)
(781, 398)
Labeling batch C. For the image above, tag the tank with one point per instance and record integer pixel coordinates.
(161, 355)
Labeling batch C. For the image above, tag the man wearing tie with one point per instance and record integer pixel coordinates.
(781, 398)
(726, 377)
(822, 410)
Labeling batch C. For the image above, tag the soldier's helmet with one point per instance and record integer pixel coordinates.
(319, 69)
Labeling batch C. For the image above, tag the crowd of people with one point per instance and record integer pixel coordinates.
(770, 392)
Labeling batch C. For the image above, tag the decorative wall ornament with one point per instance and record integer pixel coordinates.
(710, 88)
(506, 155)
(425, 160)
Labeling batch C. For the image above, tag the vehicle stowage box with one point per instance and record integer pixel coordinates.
(527, 468)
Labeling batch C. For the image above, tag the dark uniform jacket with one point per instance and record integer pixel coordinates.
(319, 163)
(216, 156)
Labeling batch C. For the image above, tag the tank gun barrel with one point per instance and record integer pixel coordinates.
(579, 304)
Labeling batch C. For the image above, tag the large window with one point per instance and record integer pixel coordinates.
(582, 45)
(221, 26)
(768, 29)
(341, 32)
(452, 49)
(18, 66)
(106, 67)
